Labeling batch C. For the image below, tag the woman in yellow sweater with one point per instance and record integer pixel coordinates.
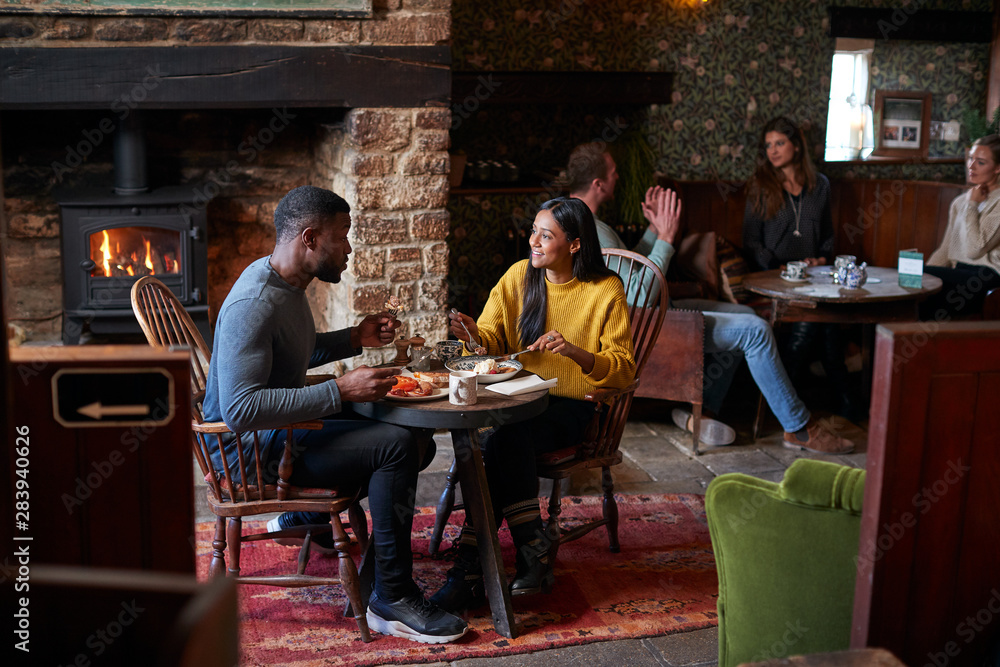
(569, 310)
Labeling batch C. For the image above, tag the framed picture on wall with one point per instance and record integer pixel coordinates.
(902, 123)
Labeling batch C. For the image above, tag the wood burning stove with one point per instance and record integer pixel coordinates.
(111, 238)
(109, 241)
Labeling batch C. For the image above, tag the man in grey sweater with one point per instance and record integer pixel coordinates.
(265, 341)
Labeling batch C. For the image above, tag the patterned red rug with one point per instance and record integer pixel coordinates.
(662, 582)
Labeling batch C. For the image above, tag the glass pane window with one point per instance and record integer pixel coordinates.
(849, 119)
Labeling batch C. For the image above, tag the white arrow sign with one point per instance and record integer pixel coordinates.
(96, 410)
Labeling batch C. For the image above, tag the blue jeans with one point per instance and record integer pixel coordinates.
(379, 458)
(734, 329)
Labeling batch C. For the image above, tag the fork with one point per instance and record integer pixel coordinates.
(468, 333)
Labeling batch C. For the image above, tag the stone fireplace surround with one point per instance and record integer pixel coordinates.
(389, 159)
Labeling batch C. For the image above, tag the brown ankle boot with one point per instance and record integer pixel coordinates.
(819, 439)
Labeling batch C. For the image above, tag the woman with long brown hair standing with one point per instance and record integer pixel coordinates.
(788, 219)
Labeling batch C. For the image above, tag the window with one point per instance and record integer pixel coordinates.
(849, 134)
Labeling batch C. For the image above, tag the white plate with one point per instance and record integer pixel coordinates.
(467, 364)
(793, 280)
(433, 396)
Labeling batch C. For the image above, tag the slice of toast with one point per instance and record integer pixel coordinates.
(436, 378)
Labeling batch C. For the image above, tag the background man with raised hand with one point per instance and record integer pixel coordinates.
(591, 175)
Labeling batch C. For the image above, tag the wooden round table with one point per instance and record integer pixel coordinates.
(818, 299)
(491, 409)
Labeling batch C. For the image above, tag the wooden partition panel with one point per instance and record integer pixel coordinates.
(928, 585)
(109, 470)
(873, 219)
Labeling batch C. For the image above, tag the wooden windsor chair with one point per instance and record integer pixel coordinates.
(234, 494)
(599, 448)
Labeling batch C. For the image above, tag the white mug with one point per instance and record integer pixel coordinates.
(796, 270)
(462, 387)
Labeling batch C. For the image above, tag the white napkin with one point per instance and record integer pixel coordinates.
(522, 385)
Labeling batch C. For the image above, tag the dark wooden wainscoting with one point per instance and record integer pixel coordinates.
(873, 219)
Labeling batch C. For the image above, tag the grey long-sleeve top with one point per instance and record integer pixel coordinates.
(657, 250)
(265, 341)
(768, 244)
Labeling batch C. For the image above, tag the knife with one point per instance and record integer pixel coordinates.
(508, 357)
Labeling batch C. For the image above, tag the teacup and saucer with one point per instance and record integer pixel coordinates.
(795, 272)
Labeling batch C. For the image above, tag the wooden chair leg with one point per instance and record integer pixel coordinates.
(445, 505)
(758, 422)
(553, 531)
(349, 576)
(234, 533)
(695, 427)
(611, 509)
(366, 578)
(304, 554)
(218, 566)
(359, 525)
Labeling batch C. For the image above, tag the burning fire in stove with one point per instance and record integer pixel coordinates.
(135, 251)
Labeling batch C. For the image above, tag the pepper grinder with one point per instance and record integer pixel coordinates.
(402, 344)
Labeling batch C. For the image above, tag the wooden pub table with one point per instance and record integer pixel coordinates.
(819, 299)
(491, 409)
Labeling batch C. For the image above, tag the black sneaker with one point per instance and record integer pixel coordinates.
(414, 618)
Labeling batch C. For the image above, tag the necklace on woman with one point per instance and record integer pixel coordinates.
(798, 214)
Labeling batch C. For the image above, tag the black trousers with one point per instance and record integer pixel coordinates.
(383, 460)
(962, 294)
(509, 451)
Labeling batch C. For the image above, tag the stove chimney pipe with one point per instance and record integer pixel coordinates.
(130, 156)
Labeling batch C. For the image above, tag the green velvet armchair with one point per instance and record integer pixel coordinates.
(785, 554)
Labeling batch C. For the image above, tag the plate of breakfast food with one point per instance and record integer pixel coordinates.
(411, 389)
(489, 370)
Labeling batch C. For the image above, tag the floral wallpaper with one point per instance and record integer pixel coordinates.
(488, 234)
(737, 63)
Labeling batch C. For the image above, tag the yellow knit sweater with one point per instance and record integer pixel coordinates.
(591, 315)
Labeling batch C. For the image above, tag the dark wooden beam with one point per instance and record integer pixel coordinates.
(902, 23)
(214, 77)
(561, 88)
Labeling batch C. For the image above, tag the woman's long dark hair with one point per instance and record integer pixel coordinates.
(765, 189)
(575, 218)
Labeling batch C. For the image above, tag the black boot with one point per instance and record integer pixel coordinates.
(534, 570)
(846, 403)
(464, 588)
(796, 351)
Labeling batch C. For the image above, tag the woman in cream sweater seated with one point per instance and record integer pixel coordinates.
(569, 309)
(968, 259)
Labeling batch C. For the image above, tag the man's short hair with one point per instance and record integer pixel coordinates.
(302, 206)
(586, 163)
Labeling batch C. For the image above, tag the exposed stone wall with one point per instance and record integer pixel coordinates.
(393, 22)
(392, 169)
(392, 166)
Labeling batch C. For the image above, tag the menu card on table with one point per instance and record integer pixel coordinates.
(911, 268)
(522, 385)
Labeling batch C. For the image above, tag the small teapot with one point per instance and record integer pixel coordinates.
(855, 275)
